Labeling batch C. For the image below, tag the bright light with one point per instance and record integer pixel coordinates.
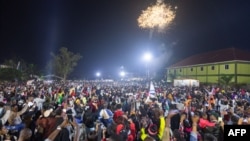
(98, 74)
(122, 73)
(147, 57)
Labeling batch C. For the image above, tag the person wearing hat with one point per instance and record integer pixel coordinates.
(106, 116)
(156, 128)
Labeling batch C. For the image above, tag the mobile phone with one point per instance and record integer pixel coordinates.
(220, 119)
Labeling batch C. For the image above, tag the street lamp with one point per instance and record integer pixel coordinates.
(98, 74)
(122, 73)
(147, 57)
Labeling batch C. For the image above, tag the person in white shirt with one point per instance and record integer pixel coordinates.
(39, 102)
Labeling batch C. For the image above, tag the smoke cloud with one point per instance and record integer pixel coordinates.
(163, 57)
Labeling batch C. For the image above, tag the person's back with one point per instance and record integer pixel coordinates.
(89, 119)
(47, 125)
(25, 134)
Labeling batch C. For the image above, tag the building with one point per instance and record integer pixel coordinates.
(209, 67)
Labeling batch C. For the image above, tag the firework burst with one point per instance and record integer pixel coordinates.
(158, 16)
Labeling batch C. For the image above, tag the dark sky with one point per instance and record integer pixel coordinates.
(106, 33)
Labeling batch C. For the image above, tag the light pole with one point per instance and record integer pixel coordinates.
(147, 57)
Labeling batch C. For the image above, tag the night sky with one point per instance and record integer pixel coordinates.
(106, 32)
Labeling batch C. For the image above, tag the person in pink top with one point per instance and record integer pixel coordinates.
(203, 122)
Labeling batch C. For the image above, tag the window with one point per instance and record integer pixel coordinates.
(226, 67)
(201, 68)
(212, 67)
(191, 69)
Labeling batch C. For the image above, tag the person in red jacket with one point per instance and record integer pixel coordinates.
(118, 112)
(123, 130)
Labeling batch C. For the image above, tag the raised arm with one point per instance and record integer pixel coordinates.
(5, 117)
(24, 109)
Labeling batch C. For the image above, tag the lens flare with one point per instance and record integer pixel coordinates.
(158, 16)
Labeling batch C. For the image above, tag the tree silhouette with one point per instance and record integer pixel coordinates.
(63, 63)
(225, 79)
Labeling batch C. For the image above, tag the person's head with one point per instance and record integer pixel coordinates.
(204, 115)
(115, 137)
(57, 112)
(31, 98)
(3, 130)
(213, 116)
(184, 114)
(25, 134)
(1, 104)
(94, 99)
(92, 136)
(14, 107)
(118, 106)
(105, 106)
(177, 135)
(148, 138)
(209, 137)
(157, 113)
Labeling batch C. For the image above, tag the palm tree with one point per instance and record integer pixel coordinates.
(225, 79)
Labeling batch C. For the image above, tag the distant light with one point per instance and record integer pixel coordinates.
(122, 73)
(98, 74)
(147, 56)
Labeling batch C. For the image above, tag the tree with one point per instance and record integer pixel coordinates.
(225, 79)
(11, 63)
(63, 64)
(28, 70)
(10, 74)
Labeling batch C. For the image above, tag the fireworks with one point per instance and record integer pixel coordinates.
(158, 16)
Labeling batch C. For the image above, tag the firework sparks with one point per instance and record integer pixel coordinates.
(158, 16)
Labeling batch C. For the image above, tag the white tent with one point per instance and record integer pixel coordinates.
(151, 89)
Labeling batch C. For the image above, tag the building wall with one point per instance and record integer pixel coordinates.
(243, 71)
(212, 69)
(243, 68)
(211, 73)
(243, 79)
(227, 68)
(202, 70)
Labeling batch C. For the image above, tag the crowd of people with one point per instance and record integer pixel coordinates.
(118, 111)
